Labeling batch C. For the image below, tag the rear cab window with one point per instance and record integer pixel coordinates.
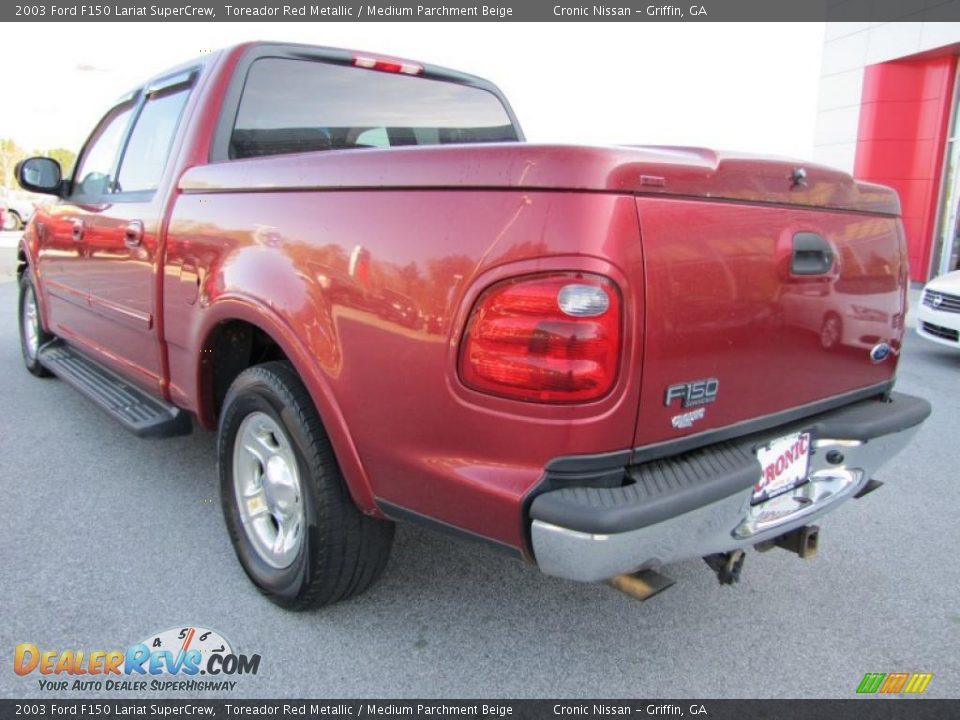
(293, 105)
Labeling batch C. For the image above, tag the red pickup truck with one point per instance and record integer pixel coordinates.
(390, 307)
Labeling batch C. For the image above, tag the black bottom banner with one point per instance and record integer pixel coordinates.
(861, 709)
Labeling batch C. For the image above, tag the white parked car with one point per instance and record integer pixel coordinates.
(18, 208)
(854, 312)
(938, 317)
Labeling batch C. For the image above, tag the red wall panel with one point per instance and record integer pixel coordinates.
(904, 121)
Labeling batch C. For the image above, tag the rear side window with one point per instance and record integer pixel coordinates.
(149, 145)
(290, 106)
(94, 175)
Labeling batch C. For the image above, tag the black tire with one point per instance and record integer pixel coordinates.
(342, 552)
(17, 223)
(30, 360)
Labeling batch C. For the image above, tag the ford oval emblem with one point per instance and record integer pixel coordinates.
(880, 352)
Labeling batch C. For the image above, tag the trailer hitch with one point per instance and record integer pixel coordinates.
(802, 541)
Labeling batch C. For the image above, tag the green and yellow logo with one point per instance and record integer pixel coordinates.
(894, 683)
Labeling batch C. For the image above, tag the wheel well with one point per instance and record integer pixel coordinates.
(233, 346)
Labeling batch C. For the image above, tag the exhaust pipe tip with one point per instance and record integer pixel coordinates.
(641, 585)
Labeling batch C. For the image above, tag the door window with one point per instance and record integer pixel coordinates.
(94, 174)
(149, 145)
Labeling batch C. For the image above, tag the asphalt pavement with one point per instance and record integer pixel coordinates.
(107, 539)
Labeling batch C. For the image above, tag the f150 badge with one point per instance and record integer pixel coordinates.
(693, 393)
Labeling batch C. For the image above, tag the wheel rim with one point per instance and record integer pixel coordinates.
(830, 333)
(269, 495)
(31, 324)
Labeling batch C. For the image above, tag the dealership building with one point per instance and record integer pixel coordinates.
(887, 113)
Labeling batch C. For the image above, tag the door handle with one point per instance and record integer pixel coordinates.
(76, 229)
(133, 234)
(812, 254)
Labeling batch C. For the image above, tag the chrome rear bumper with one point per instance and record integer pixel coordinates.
(726, 523)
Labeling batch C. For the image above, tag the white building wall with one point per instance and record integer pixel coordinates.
(847, 49)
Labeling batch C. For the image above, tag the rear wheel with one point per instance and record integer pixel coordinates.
(32, 335)
(294, 527)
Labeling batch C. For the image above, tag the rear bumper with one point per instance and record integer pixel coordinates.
(699, 503)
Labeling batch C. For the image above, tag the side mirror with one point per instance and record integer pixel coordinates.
(40, 174)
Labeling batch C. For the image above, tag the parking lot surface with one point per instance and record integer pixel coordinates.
(108, 539)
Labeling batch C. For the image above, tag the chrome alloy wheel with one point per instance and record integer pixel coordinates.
(30, 322)
(266, 481)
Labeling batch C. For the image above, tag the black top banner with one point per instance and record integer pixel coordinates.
(491, 11)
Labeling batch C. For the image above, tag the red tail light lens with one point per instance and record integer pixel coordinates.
(544, 338)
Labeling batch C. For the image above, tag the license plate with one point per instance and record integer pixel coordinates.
(784, 464)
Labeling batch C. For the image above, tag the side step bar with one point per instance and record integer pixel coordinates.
(138, 412)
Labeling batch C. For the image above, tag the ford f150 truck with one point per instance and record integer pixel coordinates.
(391, 307)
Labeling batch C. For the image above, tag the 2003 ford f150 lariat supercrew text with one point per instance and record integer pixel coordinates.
(391, 307)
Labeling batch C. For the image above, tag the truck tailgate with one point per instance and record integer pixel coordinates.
(755, 310)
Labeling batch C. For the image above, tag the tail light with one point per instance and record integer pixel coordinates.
(545, 338)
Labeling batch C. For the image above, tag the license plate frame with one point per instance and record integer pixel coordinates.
(784, 466)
